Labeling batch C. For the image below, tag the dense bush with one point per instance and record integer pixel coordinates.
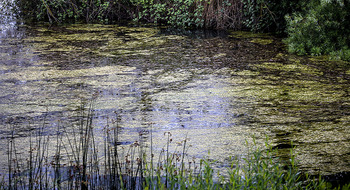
(255, 15)
(103, 11)
(179, 13)
(322, 29)
(268, 15)
(218, 14)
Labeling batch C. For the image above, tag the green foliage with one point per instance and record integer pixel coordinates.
(322, 29)
(268, 15)
(256, 14)
(218, 14)
(72, 10)
(178, 13)
(67, 10)
(263, 170)
(259, 169)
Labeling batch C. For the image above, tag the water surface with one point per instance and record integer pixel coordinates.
(215, 89)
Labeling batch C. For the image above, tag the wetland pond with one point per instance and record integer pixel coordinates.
(216, 89)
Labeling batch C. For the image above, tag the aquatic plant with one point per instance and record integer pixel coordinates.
(76, 162)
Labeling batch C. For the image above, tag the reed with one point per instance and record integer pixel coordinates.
(77, 163)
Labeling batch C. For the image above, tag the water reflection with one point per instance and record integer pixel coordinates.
(9, 21)
(217, 91)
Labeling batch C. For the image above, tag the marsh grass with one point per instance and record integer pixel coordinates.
(72, 159)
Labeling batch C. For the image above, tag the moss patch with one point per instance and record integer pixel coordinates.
(262, 41)
(295, 67)
(243, 34)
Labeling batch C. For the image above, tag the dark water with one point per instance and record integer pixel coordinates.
(216, 89)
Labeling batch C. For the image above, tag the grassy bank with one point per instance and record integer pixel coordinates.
(72, 159)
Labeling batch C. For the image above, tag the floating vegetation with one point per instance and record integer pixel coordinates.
(262, 41)
(244, 34)
(218, 90)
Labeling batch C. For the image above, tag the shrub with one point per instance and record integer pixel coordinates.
(179, 13)
(255, 15)
(268, 15)
(218, 14)
(74, 10)
(322, 29)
